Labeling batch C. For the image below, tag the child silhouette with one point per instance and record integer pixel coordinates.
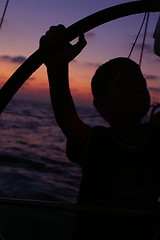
(119, 163)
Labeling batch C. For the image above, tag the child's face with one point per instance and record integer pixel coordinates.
(127, 95)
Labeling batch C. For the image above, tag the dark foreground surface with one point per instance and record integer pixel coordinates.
(24, 222)
(30, 220)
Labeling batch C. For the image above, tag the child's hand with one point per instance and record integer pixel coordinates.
(54, 47)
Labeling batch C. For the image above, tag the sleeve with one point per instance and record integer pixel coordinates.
(76, 153)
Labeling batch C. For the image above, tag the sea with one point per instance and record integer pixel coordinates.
(35, 174)
(38, 184)
(32, 153)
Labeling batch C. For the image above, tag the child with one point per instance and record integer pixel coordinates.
(120, 168)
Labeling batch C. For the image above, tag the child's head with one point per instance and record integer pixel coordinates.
(120, 90)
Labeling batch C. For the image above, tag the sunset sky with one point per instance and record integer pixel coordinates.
(26, 21)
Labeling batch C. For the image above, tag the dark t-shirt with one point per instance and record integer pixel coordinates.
(118, 175)
(115, 175)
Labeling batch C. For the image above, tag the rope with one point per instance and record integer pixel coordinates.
(2, 19)
(137, 35)
(144, 37)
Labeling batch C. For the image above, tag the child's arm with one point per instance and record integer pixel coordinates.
(57, 55)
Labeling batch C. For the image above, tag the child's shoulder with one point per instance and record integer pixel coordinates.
(152, 132)
(100, 133)
(100, 129)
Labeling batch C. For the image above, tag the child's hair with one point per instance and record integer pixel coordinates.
(113, 69)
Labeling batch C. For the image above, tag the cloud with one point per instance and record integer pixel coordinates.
(151, 77)
(148, 47)
(28, 82)
(32, 78)
(157, 60)
(90, 34)
(93, 64)
(4, 22)
(154, 89)
(88, 64)
(138, 45)
(13, 59)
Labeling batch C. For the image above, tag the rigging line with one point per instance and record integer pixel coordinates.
(137, 35)
(5, 8)
(144, 37)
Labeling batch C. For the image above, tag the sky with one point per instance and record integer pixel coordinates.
(26, 21)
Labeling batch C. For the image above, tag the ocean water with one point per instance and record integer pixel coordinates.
(35, 174)
(32, 154)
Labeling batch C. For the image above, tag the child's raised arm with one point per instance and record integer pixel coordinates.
(57, 54)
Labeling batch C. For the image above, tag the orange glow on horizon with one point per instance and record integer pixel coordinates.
(80, 74)
(37, 85)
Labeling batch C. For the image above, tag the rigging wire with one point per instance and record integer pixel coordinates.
(2, 19)
(144, 18)
(144, 37)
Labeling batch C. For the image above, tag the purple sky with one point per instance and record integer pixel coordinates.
(25, 21)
